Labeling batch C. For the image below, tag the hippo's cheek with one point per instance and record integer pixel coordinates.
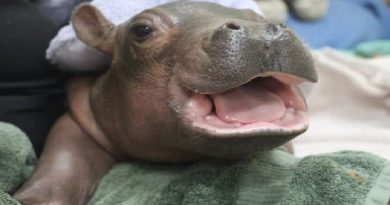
(263, 106)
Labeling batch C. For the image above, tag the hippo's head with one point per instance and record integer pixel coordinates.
(192, 79)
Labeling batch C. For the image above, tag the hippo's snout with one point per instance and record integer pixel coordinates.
(237, 51)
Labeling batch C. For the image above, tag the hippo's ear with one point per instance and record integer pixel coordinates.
(93, 28)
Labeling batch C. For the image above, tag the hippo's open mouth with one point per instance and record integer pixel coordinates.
(270, 103)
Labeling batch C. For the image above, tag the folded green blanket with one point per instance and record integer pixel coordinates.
(276, 177)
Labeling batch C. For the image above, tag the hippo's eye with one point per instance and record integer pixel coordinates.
(141, 31)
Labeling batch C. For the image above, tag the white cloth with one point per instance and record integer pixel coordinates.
(349, 107)
(69, 53)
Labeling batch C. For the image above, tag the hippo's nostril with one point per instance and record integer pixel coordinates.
(232, 26)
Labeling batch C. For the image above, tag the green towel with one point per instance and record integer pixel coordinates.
(17, 161)
(276, 177)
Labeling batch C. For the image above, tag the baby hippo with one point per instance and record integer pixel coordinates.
(188, 80)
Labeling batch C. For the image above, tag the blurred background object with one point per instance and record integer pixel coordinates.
(274, 10)
(373, 49)
(306, 10)
(31, 90)
(340, 24)
(349, 107)
(57, 11)
(347, 23)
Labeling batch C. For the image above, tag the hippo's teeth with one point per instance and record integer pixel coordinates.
(265, 103)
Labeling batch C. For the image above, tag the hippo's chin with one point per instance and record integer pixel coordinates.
(270, 104)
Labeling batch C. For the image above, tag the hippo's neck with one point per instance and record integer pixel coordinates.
(79, 93)
(93, 103)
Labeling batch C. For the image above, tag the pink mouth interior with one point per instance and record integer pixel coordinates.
(262, 104)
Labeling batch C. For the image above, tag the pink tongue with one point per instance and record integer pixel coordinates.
(249, 103)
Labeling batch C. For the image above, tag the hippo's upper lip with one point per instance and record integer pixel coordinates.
(282, 77)
(270, 103)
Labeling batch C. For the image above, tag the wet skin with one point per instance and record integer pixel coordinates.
(187, 81)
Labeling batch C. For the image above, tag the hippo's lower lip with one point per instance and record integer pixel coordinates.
(263, 105)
